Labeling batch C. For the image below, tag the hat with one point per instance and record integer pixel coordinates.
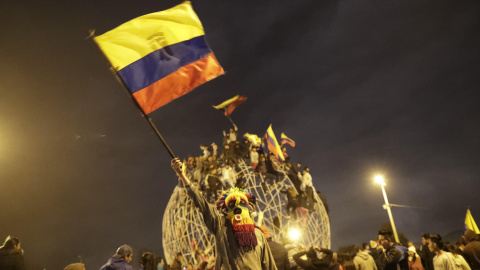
(75, 266)
(265, 231)
(412, 249)
(123, 251)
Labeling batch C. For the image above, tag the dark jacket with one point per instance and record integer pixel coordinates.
(472, 254)
(11, 259)
(375, 253)
(314, 264)
(394, 258)
(427, 257)
(280, 254)
(116, 264)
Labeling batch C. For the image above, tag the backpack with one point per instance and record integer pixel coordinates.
(403, 262)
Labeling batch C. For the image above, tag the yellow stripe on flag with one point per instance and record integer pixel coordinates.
(274, 143)
(226, 103)
(143, 35)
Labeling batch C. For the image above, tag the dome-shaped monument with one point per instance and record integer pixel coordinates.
(185, 232)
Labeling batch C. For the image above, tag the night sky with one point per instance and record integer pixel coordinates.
(361, 86)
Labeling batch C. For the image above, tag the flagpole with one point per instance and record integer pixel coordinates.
(146, 117)
(231, 121)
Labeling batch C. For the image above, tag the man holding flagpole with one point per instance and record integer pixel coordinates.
(239, 244)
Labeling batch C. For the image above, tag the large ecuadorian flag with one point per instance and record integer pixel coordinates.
(160, 56)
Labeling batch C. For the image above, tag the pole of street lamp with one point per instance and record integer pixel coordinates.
(389, 210)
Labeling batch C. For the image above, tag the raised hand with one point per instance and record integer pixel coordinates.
(177, 166)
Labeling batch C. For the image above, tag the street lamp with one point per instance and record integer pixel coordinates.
(381, 181)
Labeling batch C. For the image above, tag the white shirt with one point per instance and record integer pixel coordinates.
(443, 262)
(254, 156)
(228, 176)
(306, 180)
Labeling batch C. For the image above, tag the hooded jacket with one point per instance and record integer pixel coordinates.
(11, 259)
(363, 261)
(116, 264)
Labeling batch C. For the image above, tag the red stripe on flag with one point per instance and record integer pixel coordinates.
(234, 105)
(286, 141)
(178, 83)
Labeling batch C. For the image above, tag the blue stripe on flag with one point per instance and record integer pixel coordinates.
(163, 62)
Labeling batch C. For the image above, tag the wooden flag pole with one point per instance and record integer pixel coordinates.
(231, 121)
(149, 120)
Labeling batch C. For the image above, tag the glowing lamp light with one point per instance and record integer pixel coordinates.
(294, 234)
(379, 180)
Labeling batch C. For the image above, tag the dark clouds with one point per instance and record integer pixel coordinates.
(361, 86)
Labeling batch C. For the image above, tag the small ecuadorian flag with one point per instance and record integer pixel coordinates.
(287, 140)
(229, 105)
(160, 56)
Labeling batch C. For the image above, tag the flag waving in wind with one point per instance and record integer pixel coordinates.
(286, 140)
(470, 223)
(229, 105)
(253, 138)
(273, 145)
(160, 56)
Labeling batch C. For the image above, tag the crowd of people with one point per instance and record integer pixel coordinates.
(214, 183)
(383, 254)
(215, 171)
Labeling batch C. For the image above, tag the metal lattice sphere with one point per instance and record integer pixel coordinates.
(185, 232)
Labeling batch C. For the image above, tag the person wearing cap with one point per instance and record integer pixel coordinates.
(279, 252)
(120, 260)
(414, 261)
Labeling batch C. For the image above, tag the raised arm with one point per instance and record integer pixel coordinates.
(210, 215)
(302, 263)
(328, 255)
(391, 256)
